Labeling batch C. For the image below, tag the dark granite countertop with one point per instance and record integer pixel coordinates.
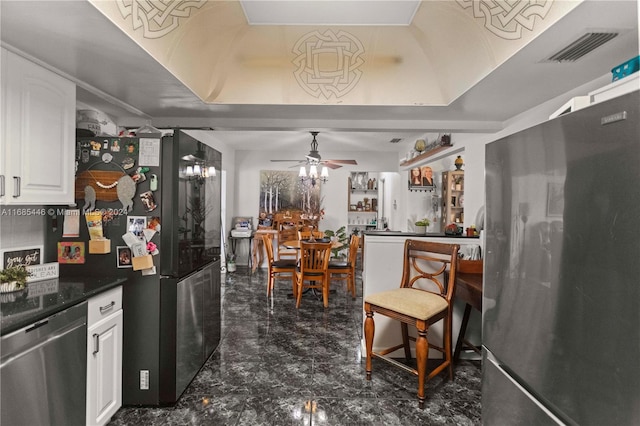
(413, 234)
(43, 298)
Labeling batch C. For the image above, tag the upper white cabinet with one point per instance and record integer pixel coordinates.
(37, 136)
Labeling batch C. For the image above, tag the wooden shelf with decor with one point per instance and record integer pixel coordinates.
(452, 197)
(424, 155)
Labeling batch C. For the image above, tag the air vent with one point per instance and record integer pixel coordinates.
(581, 47)
(395, 140)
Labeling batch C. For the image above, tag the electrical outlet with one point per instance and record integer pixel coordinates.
(144, 379)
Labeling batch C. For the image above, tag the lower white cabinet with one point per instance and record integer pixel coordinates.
(104, 356)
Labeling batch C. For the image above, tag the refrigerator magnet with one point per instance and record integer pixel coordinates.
(148, 201)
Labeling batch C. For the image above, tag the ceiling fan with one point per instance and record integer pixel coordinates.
(314, 158)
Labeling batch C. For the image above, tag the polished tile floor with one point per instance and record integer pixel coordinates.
(278, 365)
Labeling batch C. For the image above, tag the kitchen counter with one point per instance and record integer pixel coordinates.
(43, 298)
(413, 234)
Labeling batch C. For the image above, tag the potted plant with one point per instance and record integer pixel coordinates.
(421, 226)
(231, 262)
(341, 236)
(458, 183)
(13, 278)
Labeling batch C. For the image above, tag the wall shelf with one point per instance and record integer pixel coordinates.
(425, 155)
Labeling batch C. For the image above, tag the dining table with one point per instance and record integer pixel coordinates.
(295, 244)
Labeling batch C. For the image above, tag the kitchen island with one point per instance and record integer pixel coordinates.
(382, 261)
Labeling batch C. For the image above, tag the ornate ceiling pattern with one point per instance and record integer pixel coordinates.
(507, 19)
(335, 76)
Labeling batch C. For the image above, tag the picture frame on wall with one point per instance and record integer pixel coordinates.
(421, 178)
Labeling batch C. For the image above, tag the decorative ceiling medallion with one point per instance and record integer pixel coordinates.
(328, 63)
(157, 18)
(506, 19)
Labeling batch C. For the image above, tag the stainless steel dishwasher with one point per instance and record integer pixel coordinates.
(43, 371)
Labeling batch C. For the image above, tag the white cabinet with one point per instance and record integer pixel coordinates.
(104, 356)
(37, 136)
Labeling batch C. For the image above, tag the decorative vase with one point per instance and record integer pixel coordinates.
(231, 266)
(458, 163)
(420, 229)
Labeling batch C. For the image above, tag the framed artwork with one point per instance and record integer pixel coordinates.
(124, 257)
(555, 199)
(21, 256)
(71, 252)
(421, 178)
(282, 190)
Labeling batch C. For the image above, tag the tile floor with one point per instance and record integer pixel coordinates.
(276, 365)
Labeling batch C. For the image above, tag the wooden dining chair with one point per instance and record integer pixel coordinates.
(346, 270)
(312, 271)
(278, 268)
(424, 298)
(287, 233)
(306, 234)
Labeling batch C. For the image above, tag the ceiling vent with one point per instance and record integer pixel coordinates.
(395, 140)
(582, 46)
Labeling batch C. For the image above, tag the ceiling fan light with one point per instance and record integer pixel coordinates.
(313, 171)
(212, 171)
(303, 172)
(196, 169)
(189, 171)
(325, 172)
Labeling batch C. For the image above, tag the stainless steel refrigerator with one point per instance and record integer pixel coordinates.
(561, 320)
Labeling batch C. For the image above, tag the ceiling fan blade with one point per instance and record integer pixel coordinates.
(354, 162)
(331, 165)
(289, 161)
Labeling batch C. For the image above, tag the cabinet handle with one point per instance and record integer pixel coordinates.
(16, 186)
(96, 343)
(105, 308)
(1, 185)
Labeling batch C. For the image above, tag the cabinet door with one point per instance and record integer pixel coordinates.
(104, 369)
(37, 145)
(189, 338)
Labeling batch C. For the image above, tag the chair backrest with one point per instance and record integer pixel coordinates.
(434, 262)
(286, 233)
(305, 235)
(267, 239)
(354, 244)
(314, 257)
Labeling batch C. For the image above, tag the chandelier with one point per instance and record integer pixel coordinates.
(312, 176)
(199, 171)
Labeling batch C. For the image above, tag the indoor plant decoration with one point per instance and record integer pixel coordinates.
(13, 278)
(341, 236)
(421, 226)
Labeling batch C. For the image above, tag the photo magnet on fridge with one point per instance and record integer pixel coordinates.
(148, 201)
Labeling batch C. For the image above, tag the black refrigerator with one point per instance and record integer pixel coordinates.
(170, 185)
(561, 320)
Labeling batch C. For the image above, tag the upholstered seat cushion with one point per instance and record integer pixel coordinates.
(284, 263)
(409, 301)
(339, 264)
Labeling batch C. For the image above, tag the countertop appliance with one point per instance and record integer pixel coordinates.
(561, 320)
(178, 193)
(43, 371)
